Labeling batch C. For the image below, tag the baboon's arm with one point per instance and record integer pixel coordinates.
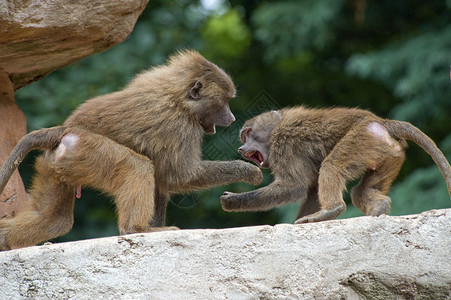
(264, 198)
(211, 173)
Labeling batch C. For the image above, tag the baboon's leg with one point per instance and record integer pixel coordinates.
(370, 194)
(311, 205)
(134, 197)
(50, 214)
(161, 202)
(331, 184)
(85, 158)
(363, 148)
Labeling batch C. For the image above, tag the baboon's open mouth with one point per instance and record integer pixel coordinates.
(210, 129)
(255, 156)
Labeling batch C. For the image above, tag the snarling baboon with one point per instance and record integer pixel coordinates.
(312, 153)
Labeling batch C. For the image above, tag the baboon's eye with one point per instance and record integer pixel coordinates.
(245, 133)
(243, 138)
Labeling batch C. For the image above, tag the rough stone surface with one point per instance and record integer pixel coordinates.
(362, 258)
(38, 37)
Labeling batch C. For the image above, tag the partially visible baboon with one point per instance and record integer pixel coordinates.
(312, 153)
(139, 145)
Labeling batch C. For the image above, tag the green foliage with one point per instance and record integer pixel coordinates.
(290, 27)
(387, 56)
(416, 76)
(424, 187)
(226, 35)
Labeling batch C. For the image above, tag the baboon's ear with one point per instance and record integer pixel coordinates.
(194, 92)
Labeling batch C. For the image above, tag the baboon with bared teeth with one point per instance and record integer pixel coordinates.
(312, 153)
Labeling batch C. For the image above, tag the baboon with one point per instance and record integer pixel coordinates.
(139, 145)
(312, 153)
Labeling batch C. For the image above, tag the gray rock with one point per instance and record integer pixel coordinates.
(386, 257)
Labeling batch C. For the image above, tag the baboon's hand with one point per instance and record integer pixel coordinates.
(229, 201)
(254, 174)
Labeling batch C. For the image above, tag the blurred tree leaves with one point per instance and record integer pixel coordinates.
(289, 27)
(414, 74)
(387, 56)
(226, 35)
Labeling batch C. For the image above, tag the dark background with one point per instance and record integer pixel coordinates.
(391, 57)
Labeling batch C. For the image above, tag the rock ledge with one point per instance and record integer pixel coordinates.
(387, 257)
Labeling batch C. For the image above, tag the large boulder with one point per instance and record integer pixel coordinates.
(362, 258)
(38, 37)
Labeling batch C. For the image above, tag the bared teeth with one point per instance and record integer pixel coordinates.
(255, 156)
(260, 157)
(249, 154)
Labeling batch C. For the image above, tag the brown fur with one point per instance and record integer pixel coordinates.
(313, 153)
(139, 145)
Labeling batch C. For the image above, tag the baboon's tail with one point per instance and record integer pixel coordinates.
(46, 138)
(405, 130)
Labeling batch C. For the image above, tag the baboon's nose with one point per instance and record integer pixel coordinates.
(231, 118)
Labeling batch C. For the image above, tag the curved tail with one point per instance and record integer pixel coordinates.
(405, 130)
(46, 138)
